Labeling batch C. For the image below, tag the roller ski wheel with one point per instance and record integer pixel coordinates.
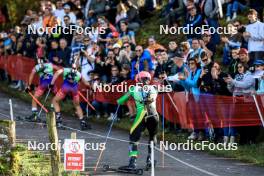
(85, 126)
(123, 169)
(60, 126)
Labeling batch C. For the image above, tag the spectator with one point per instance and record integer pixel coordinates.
(258, 6)
(205, 82)
(193, 20)
(173, 11)
(259, 67)
(190, 83)
(132, 16)
(67, 11)
(232, 70)
(59, 12)
(68, 35)
(64, 52)
(153, 45)
(53, 55)
(210, 10)
(197, 50)
(185, 50)
(219, 86)
(232, 41)
(97, 8)
(121, 13)
(142, 62)
(208, 45)
(110, 61)
(255, 36)
(126, 54)
(48, 19)
(243, 83)
(180, 68)
(125, 32)
(233, 6)
(173, 47)
(244, 58)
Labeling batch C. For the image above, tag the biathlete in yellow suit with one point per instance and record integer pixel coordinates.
(145, 96)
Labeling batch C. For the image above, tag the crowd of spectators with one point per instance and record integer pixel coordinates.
(115, 56)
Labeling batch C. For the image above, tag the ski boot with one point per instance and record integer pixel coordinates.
(33, 117)
(132, 164)
(84, 125)
(58, 120)
(148, 163)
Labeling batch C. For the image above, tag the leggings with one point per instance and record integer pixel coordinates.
(151, 124)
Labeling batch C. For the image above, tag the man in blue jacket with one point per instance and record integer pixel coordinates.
(142, 62)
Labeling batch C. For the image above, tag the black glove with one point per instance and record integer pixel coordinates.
(51, 86)
(29, 88)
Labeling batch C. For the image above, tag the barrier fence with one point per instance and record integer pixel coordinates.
(189, 111)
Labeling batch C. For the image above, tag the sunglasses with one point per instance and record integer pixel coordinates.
(138, 50)
(95, 79)
(126, 46)
(204, 60)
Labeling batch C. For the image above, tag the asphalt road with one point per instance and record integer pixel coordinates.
(176, 163)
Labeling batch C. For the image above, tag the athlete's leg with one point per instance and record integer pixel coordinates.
(55, 101)
(134, 137)
(76, 102)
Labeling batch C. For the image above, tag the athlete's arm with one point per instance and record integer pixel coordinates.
(56, 75)
(31, 76)
(86, 83)
(122, 100)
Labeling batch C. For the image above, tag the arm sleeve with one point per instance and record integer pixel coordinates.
(124, 98)
(194, 81)
(249, 81)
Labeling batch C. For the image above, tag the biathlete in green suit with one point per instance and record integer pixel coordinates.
(145, 96)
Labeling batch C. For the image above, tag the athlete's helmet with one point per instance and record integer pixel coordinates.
(143, 76)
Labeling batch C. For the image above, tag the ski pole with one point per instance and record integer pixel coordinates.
(44, 102)
(36, 100)
(86, 100)
(108, 133)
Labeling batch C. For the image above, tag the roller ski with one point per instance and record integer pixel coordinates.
(148, 163)
(59, 123)
(130, 169)
(84, 125)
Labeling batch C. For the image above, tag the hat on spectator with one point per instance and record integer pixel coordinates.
(259, 62)
(116, 45)
(115, 34)
(243, 51)
(176, 55)
(66, 6)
